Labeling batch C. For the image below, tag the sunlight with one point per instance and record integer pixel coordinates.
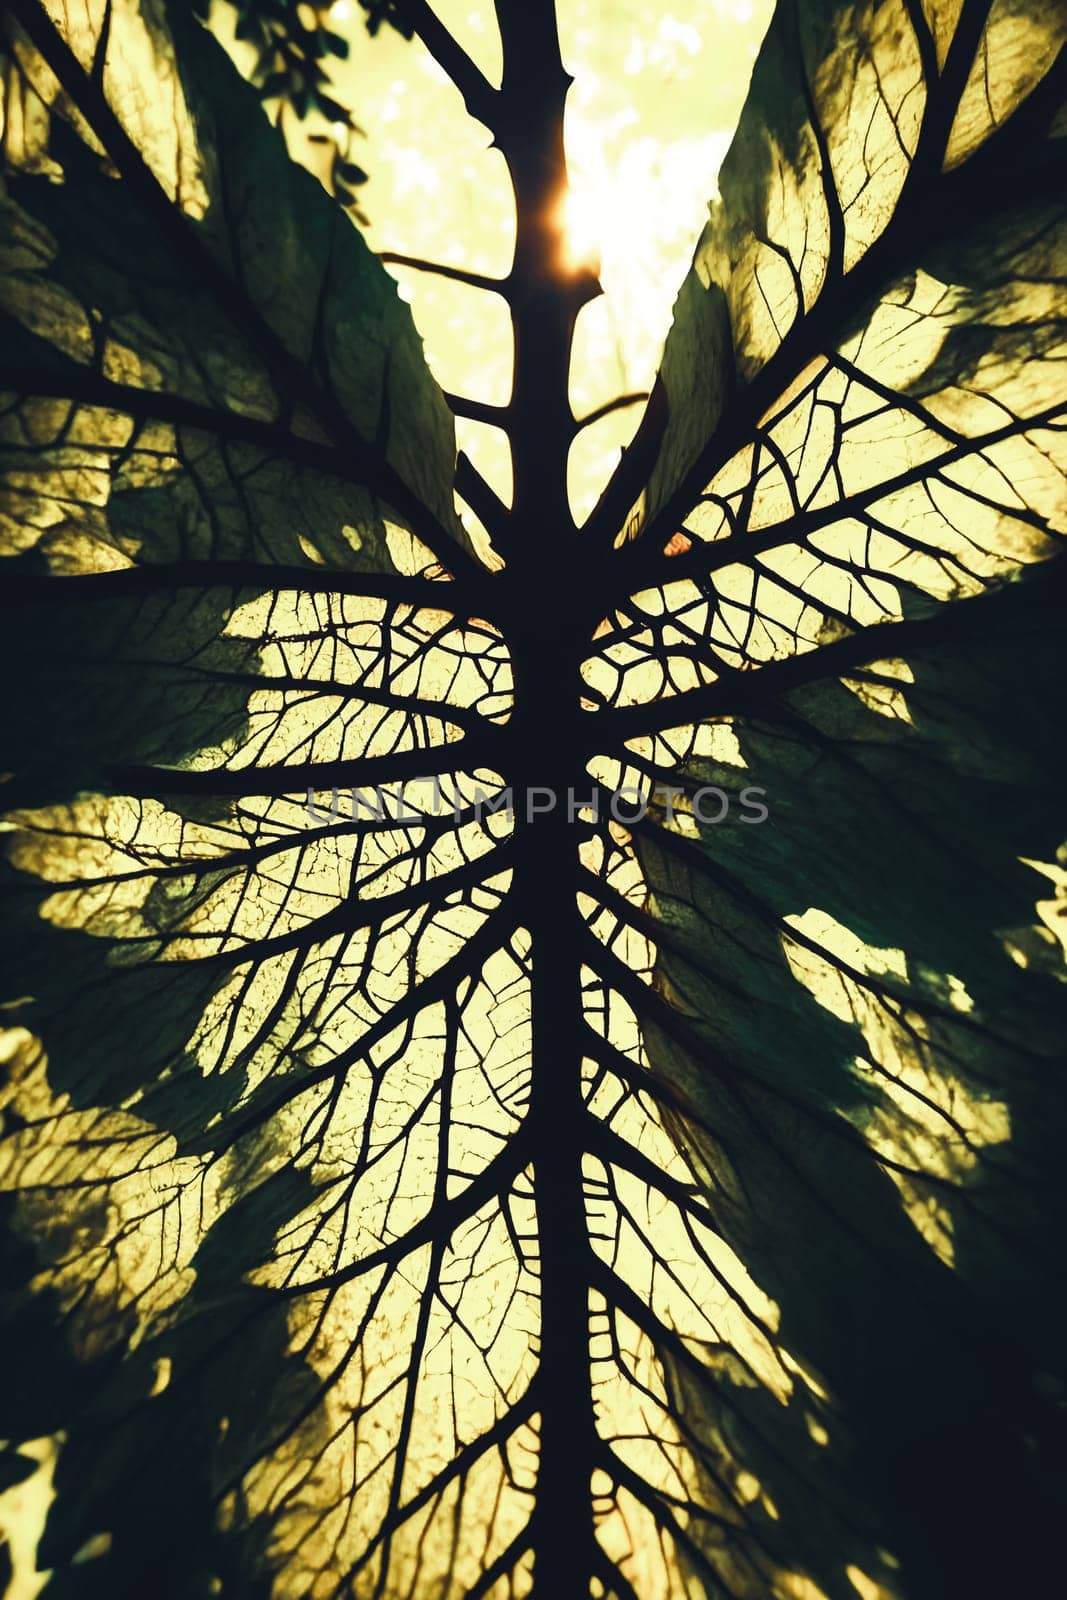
(587, 214)
(649, 118)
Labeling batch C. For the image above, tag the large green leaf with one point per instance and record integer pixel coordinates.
(417, 1200)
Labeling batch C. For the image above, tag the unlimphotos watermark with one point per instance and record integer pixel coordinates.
(709, 805)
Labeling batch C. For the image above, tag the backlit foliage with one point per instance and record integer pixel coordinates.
(412, 1199)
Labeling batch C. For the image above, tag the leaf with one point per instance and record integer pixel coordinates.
(332, 108)
(15, 1468)
(332, 44)
(273, 85)
(413, 1198)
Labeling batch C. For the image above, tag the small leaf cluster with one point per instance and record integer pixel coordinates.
(345, 175)
(294, 42)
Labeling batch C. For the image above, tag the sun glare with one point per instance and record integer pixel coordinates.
(586, 220)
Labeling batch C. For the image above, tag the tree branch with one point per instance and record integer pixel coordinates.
(752, 690)
(483, 501)
(21, 587)
(393, 258)
(486, 749)
(479, 411)
(618, 404)
(643, 564)
(479, 96)
(624, 488)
